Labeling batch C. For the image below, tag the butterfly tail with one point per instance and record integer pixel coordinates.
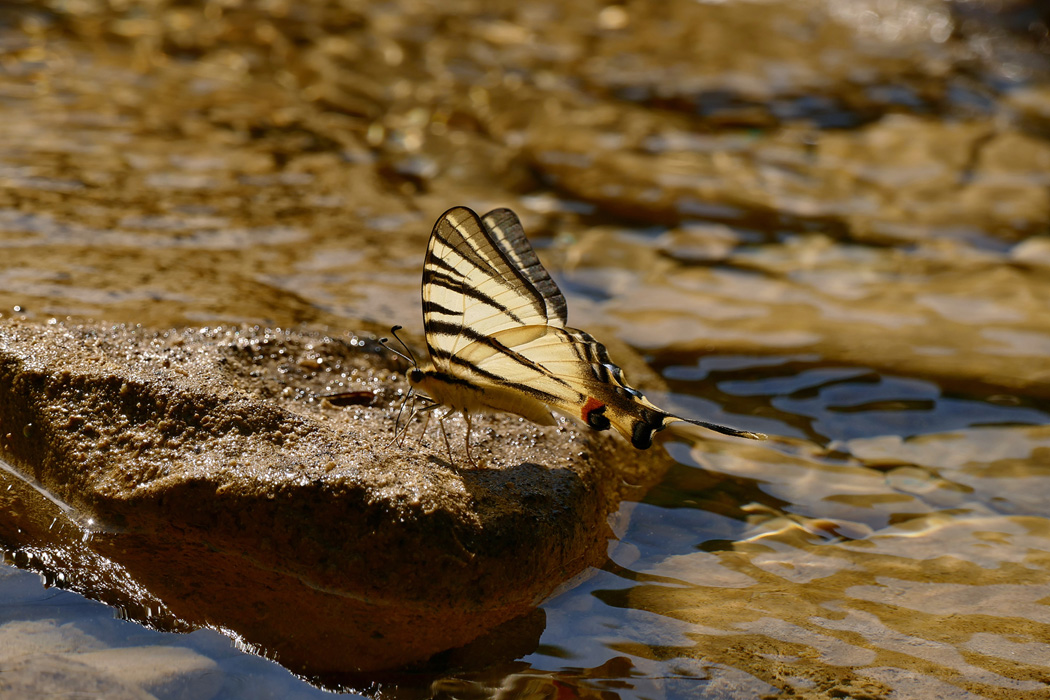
(640, 420)
(670, 421)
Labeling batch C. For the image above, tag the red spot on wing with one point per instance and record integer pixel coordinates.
(590, 405)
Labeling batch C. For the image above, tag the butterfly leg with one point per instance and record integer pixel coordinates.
(399, 437)
(466, 415)
(423, 430)
(444, 434)
(399, 432)
(426, 423)
(397, 423)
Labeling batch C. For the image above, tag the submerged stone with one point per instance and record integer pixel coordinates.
(205, 477)
(43, 659)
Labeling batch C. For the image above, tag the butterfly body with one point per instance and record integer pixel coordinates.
(495, 330)
(461, 395)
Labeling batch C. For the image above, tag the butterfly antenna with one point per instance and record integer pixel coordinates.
(393, 332)
(400, 354)
(407, 356)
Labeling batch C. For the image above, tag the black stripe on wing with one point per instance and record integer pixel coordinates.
(461, 230)
(437, 263)
(465, 246)
(432, 307)
(452, 329)
(602, 367)
(460, 286)
(504, 382)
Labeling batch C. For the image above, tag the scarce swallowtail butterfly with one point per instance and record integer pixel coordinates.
(494, 322)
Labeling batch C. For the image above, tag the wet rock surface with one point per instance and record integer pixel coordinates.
(211, 468)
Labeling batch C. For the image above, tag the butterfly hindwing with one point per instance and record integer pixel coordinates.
(570, 371)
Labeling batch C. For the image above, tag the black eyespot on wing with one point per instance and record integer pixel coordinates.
(642, 437)
(597, 419)
(645, 427)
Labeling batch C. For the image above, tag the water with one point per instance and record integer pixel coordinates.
(822, 221)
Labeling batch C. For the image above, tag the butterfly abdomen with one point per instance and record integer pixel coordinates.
(461, 394)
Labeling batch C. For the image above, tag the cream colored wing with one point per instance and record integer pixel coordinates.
(570, 371)
(481, 277)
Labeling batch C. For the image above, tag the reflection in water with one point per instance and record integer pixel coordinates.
(895, 610)
(54, 643)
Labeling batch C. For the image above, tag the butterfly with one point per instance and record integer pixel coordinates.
(494, 324)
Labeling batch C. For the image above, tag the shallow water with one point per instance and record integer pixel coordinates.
(823, 221)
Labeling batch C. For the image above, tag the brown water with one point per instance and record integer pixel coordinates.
(825, 221)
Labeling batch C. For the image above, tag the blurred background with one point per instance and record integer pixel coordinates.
(822, 219)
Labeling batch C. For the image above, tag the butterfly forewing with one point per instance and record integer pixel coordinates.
(472, 286)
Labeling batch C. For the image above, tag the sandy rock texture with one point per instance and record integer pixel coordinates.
(209, 467)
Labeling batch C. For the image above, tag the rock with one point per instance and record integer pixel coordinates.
(204, 469)
(40, 658)
(173, 673)
(40, 637)
(54, 676)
